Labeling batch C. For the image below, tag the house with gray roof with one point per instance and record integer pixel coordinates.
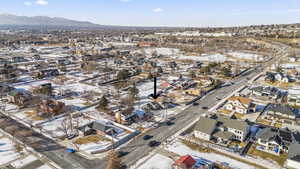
(269, 92)
(99, 128)
(293, 97)
(281, 113)
(274, 141)
(204, 128)
(238, 128)
(293, 160)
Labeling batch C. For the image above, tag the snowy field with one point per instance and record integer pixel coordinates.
(247, 56)
(158, 162)
(204, 58)
(162, 51)
(7, 151)
(44, 167)
(80, 88)
(91, 147)
(31, 84)
(9, 155)
(23, 162)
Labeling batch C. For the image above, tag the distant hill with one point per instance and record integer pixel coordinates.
(8, 19)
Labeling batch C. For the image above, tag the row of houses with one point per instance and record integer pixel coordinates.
(222, 130)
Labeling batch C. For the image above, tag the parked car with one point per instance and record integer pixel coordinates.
(70, 137)
(69, 150)
(204, 107)
(147, 137)
(169, 123)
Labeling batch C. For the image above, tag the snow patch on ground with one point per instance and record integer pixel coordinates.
(7, 151)
(204, 58)
(247, 56)
(158, 162)
(23, 162)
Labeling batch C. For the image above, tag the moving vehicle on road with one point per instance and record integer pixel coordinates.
(153, 143)
(122, 153)
(195, 104)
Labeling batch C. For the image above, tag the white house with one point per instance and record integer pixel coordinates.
(239, 105)
(293, 97)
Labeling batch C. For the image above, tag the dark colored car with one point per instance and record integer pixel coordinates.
(204, 107)
(147, 137)
(153, 143)
(169, 123)
(195, 104)
(122, 154)
(70, 150)
(70, 137)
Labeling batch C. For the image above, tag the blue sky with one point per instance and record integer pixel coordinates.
(161, 12)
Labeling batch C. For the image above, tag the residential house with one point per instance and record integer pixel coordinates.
(5, 89)
(51, 107)
(239, 105)
(136, 115)
(293, 59)
(281, 113)
(194, 92)
(152, 106)
(293, 160)
(238, 128)
(274, 141)
(184, 162)
(63, 61)
(146, 44)
(205, 128)
(20, 97)
(278, 76)
(205, 81)
(293, 97)
(47, 73)
(18, 59)
(99, 127)
(266, 91)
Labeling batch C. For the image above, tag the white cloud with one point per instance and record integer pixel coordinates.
(293, 10)
(125, 0)
(27, 3)
(157, 10)
(41, 2)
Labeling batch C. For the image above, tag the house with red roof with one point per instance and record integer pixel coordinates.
(184, 162)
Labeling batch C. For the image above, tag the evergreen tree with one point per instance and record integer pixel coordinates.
(103, 103)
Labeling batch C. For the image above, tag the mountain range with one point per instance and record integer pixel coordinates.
(9, 19)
